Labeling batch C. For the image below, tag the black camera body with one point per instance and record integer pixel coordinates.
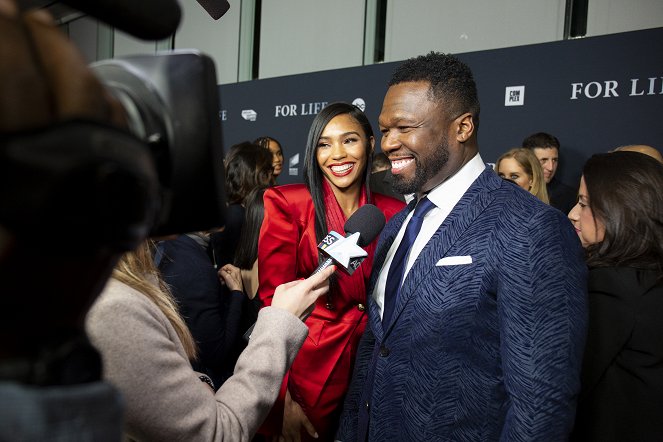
(113, 188)
(172, 103)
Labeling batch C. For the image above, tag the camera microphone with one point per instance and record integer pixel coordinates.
(346, 252)
(144, 19)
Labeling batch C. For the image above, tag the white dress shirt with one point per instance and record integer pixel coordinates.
(445, 197)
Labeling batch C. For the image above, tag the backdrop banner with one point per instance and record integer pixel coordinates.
(593, 94)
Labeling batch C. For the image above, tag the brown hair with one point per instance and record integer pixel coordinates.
(248, 166)
(624, 190)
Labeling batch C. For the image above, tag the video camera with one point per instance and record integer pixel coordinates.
(113, 187)
(173, 107)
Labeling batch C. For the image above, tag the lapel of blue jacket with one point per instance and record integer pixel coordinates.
(384, 244)
(472, 203)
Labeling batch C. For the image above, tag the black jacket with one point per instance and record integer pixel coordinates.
(622, 376)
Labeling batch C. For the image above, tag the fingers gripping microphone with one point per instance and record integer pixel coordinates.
(346, 252)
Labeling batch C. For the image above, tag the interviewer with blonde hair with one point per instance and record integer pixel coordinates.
(146, 350)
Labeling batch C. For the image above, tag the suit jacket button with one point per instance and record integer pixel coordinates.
(361, 307)
(384, 351)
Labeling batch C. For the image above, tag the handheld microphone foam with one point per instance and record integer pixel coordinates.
(361, 229)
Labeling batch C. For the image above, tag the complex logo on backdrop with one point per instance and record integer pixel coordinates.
(514, 96)
(293, 162)
(611, 88)
(249, 114)
(292, 110)
(360, 103)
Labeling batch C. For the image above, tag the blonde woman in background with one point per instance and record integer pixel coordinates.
(146, 350)
(520, 166)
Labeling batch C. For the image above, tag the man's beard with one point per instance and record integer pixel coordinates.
(424, 170)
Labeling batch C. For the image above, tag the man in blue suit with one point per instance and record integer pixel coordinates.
(477, 316)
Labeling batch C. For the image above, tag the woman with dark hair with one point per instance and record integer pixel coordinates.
(247, 166)
(297, 217)
(274, 147)
(241, 277)
(619, 219)
(246, 255)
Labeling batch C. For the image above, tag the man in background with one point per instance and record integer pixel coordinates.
(642, 148)
(381, 178)
(546, 148)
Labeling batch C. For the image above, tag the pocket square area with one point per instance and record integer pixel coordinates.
(454, 260)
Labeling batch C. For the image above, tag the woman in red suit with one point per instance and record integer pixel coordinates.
(297, 216)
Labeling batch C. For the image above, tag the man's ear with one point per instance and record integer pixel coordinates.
(464, 127)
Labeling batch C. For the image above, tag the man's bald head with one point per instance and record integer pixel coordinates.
(642, 148)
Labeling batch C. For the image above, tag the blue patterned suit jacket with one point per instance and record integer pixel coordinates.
(484, 351)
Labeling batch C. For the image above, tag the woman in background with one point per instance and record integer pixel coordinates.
(520, 166)
(297, 217)
(212, 313)
(246, 257)
(146, 349)
(619, 220)
(247, 166)
(189, 265)
(274, 147)
(241, 277)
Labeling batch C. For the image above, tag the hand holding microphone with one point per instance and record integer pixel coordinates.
(298, 296)
(344, 252)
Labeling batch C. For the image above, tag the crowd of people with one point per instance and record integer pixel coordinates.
(497, 304)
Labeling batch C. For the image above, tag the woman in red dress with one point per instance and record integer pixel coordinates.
(297, 216)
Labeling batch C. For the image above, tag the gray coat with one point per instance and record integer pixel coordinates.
(165, 400)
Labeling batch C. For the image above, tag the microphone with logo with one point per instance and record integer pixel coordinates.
(346, 252)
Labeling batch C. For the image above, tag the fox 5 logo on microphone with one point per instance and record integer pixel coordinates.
(343, 250)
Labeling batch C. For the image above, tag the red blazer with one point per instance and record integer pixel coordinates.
(287, 250)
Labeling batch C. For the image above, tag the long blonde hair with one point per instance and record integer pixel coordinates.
(137, 270)
(532, 167)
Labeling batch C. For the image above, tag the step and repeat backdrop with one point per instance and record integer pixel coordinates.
(593, 94)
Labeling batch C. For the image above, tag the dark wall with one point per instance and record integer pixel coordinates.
(594, 94)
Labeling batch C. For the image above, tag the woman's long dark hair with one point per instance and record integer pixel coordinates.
(247, 248)
(625, 192)
(313, 175)
(248, 166)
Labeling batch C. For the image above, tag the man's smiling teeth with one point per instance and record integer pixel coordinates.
(399, 164)
(342, 168)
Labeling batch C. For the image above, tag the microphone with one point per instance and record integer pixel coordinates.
(145, 19)
(346, 252)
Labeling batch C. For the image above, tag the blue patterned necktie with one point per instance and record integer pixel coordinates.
(398, 264)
